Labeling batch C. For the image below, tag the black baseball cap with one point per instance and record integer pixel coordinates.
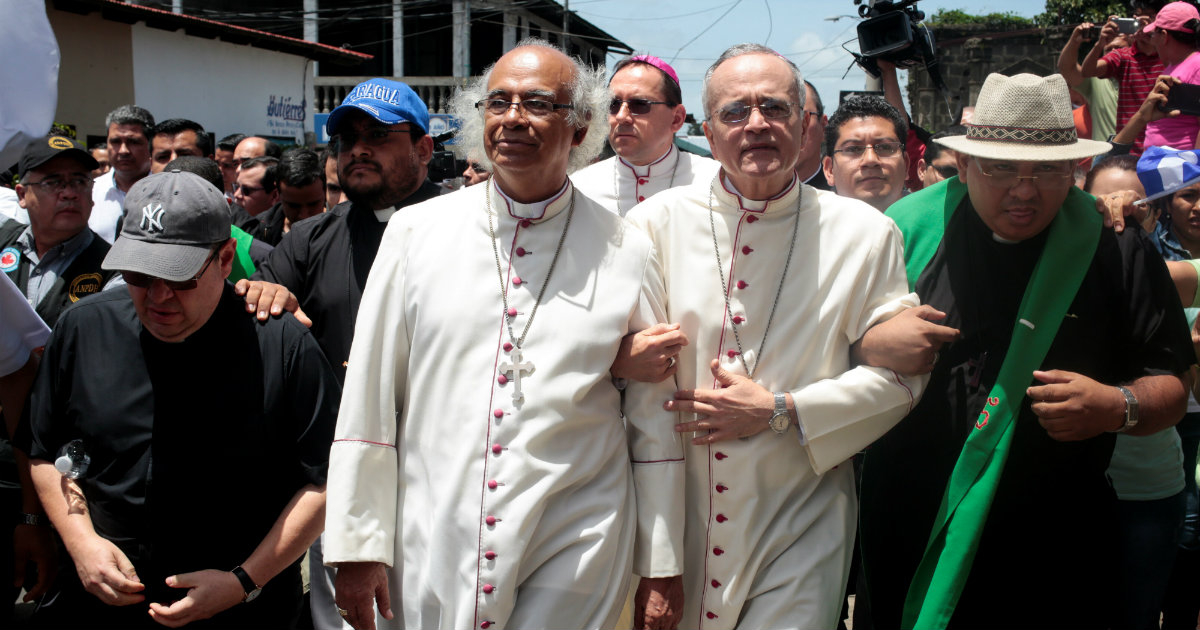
(44, 149)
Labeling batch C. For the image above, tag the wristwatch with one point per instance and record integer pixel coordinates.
(252, 589)
(781, 419)
(1131, 410)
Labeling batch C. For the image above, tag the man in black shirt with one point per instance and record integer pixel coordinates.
(206, 434)
(384, 152)
(988, 505)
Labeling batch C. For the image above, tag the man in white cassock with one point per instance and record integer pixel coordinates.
(644, 113)
(481, 475)
(773, 282)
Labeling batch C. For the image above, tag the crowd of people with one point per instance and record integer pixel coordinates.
(947, 374)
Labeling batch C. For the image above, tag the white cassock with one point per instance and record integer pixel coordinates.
(619, 185)
(771, 518)
(494, 513)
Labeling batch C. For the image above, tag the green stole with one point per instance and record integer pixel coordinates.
(243, 265)
(1070, 246)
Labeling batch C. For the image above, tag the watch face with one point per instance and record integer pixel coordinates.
(251, 595)
(780, 422)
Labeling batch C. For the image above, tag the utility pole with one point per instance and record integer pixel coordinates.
(566, 35)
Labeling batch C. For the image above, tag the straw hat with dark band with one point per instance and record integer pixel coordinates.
(1026, 118)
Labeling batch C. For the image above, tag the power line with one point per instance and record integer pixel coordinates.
(706, 29)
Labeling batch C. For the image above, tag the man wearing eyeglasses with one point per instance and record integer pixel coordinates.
(1070, 335)
(481, 474)
(199, 492)
(773, 282)
(864, 151)
(644, 114)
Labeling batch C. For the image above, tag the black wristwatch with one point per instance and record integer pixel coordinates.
(252, 589)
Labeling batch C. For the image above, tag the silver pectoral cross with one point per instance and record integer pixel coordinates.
(513, 370)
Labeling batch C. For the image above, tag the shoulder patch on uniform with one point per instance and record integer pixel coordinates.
(84, 285)
(10, 258)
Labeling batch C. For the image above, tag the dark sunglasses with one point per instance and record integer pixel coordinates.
(637, 106)
(143, 281)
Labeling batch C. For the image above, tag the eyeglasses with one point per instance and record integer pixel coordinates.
(56, 185)
(372, 137)
(143, 281)
(531, 106)
(1045, 174)
(945, 171)
(771, 109)
(247, 190)
(881, 149)
(637, 106)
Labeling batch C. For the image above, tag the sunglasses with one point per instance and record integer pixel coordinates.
(143, 281)
(637, 106)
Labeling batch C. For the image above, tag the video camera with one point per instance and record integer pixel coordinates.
(892, 30)
(443, 166)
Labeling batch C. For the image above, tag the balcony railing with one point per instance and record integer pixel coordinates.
(435, 91)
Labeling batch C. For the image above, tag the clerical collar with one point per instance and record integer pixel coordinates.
(536, 210)
(664, 164)
(729, 193)
(383, 215)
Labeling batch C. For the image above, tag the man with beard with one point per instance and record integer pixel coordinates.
(381, 131)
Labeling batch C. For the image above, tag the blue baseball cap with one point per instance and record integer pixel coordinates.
(1164, 170)
(389, 102)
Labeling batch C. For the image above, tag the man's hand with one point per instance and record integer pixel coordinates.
(357, 587)
(907, 343)
(1107, 32)
(1116, 206)
(271, 300)
(209, 592)
(1074, 407)
(106, 572)
(658, 604)
(34, 544)
(1080, 34)
(649, 356)
(740, 408)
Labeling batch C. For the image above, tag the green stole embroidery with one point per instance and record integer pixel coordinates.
(1070, 246)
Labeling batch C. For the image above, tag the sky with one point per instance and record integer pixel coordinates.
(799, 29)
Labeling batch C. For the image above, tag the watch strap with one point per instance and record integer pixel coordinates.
(248, 584)
(1131, 410)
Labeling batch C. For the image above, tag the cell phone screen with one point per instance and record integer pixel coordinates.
(1186, 98)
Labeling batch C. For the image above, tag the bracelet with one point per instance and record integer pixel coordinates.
(37, 520)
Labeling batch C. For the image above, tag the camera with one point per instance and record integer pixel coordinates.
(1127, 26)
(891, 30)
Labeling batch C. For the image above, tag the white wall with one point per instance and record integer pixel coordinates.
(225, 87)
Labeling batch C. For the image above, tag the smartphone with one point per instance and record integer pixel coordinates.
(1185, 97)
(1091, 34)
(1127, 26)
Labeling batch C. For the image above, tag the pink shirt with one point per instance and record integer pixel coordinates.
(1179, 132)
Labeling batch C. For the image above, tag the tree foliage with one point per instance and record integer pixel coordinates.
(1007, 21)
(1072, 12)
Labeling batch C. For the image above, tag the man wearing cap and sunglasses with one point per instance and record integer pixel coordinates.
(645, 112)
(1070, 334)
(200, 492)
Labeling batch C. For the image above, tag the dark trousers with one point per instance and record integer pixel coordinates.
(1148, 544)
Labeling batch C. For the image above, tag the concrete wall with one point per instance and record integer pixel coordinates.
(96, 74)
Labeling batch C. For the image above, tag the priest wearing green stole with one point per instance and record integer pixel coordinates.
(988, 505)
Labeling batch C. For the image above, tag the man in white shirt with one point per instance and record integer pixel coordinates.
(129, 132)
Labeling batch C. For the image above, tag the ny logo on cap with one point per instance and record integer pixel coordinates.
(152, 218)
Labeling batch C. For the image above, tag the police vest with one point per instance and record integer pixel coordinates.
(82, 277)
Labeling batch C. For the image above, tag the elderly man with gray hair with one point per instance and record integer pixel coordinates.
(481, 474)
(774, 282)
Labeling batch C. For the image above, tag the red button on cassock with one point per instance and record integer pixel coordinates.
(496, 448)
(521, 251)
(641, 198)
(746, 249)
(502, 379)
(742, 284)
(710, 614)
(751, 219)
(492, 484)
(488, 588)
(489, 554)
(507, 346)
(737, 319)
(490, 520)
(719, 455)
(731, 353)
(512, 312)
(517, 280)
(641, 181)
(526, 223)
(716, 550)
(715, 584)
(722, 487)
(486, 624)
(721, 518)
(499, 413)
